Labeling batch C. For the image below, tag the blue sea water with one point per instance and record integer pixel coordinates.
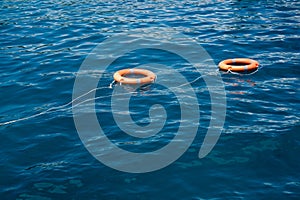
(42, 46)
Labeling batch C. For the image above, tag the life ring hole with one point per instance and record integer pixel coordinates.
(239, 64)
(135, 76)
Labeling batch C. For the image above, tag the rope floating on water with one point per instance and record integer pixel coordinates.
(61, 107)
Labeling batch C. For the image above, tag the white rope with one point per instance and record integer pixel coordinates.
(240, 74)
(60, 108)
(111, 84)
(48, 110)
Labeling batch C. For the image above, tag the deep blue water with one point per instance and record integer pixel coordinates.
(42, 46)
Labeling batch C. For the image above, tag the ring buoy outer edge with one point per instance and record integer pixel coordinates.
(238, 65)
(119, 76)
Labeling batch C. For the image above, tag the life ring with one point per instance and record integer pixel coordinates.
(149, 77)
(238, 65)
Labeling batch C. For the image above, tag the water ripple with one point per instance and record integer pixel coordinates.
(43, 44)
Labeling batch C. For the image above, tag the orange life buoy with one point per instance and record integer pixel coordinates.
(238, 65)
(149, 77)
